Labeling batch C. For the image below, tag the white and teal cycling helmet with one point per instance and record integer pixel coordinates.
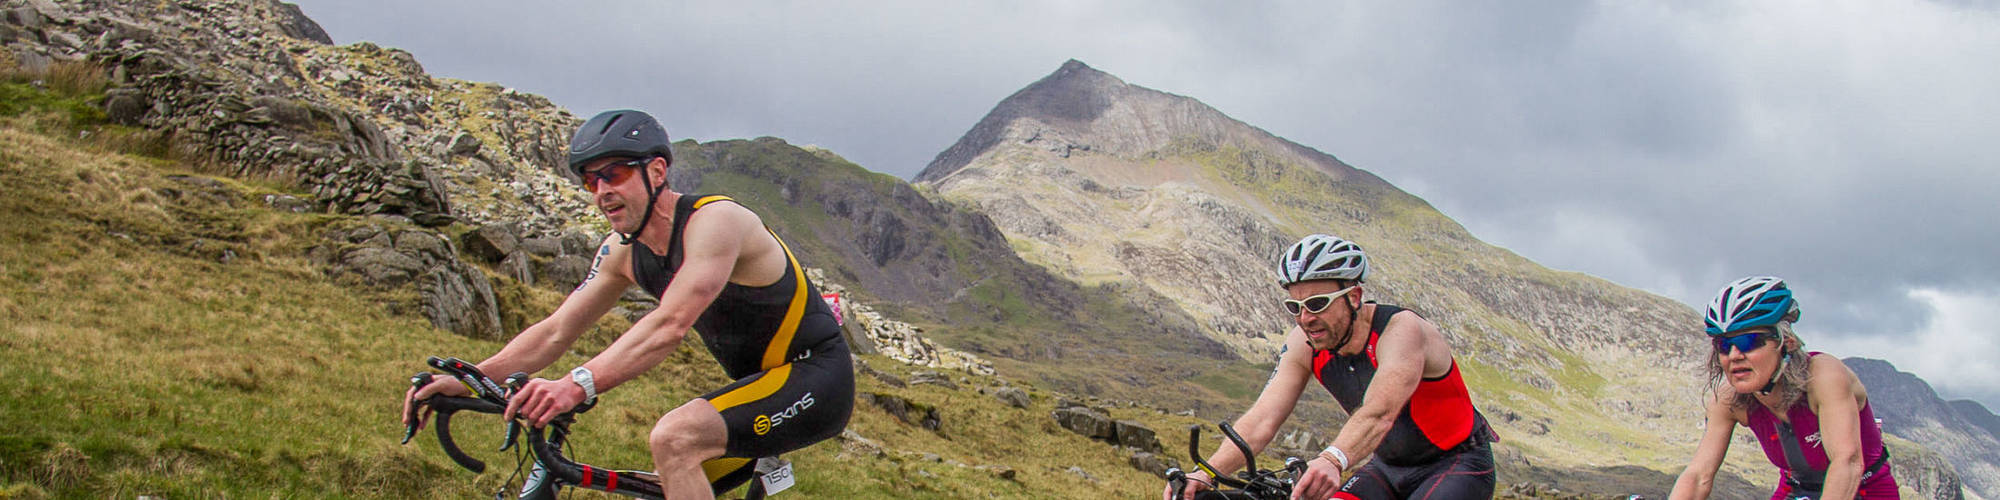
(1322, 257)
(1751, 302)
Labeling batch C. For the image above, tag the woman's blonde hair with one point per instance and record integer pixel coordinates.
(1790, 380)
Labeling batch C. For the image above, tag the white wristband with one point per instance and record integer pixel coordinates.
(583, 378)
(1336, 456)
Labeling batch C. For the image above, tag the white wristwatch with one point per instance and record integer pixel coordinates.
(582, 377)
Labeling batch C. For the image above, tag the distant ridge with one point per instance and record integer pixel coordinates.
(1978, 415)
(1081, 107)
(1909, 408)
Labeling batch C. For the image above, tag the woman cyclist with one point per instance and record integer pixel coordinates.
(1808, 410)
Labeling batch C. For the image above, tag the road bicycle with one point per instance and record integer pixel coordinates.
(1251, 483)
(551, 470)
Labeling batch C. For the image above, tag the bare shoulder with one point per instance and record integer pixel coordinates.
(1421, 332)
(725, 221)
(1827, 374)
(1295, 348)
(1406, 319)
(727, 213)
(1721, 401)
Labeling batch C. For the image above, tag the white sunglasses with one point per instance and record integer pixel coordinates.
(1316, 303)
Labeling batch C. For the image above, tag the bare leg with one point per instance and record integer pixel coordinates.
(680, 442)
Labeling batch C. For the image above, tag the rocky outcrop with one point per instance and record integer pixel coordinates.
(1977, 415)
(1096, 424)
(909, 412)
(388, 252)
(1013, 396)
(1910, 409)
(220, 76)
(904, 342)
(253, 89)
(1927, 472)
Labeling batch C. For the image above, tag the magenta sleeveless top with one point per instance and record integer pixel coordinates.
(1876, 482)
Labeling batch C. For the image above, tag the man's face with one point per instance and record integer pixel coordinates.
(618, 190)
(1322, 328)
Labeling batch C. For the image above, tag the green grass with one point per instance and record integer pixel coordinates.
(140, 363)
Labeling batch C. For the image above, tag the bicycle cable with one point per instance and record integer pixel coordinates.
(520, 458)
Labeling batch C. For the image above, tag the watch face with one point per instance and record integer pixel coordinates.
(583, 379)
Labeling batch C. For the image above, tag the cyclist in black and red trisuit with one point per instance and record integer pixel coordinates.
(715, 268)
(1390, 369)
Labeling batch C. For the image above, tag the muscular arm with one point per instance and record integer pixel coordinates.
(542, 343)
(1259, 425)
(1399, 367)
(1698, 478)
(1835, 396)
(712, 246)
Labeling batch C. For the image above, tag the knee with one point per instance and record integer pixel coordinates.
(673, 433)
(693, 430)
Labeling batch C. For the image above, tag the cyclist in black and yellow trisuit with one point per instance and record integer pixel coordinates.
(715, 268)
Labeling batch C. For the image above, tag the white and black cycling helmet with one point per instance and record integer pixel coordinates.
(1751, 302)
(1322, 257)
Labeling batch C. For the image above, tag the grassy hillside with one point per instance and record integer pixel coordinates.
(165, 334)
(944, 268)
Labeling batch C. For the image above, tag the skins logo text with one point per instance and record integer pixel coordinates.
(765, 423)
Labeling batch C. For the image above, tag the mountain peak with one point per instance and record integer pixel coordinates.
(1075, 94)
(1079, 107)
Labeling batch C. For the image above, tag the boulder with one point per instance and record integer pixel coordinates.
(491, 242)
(520, 266)
(1136, 435)
(383, 267)
(1013, 396)
(1152, 463)
(125, 106)
(459, 298)
(1086, 422)
(580, 244)
(933, 378)
(885, 377)
(464, 144)
(542, 247)
(564, 273)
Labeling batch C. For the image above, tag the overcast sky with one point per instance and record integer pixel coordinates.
(1851, 147)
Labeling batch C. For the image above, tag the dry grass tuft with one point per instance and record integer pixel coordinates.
(22, 491)
(63, 466)
(66, 77)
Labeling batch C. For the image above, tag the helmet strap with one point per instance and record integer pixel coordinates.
(1773, 383)
(652, 196)
(1353, 316)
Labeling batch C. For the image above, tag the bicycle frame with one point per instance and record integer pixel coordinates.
(1259, 485)
(552, 471)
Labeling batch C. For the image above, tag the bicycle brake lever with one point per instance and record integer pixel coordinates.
(513, 434)
(514, 383)
(417, 381)
(1176, 481)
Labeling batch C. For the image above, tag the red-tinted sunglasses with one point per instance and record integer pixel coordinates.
(613, 173)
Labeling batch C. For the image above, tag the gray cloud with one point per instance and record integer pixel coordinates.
(1671, 146)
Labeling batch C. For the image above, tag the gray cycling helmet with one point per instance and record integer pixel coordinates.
(1322, 257)
(619, 132)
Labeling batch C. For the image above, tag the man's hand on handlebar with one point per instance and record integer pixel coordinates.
(1197, 481)
(541, 400)
(414, 396)
(1321, 480)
